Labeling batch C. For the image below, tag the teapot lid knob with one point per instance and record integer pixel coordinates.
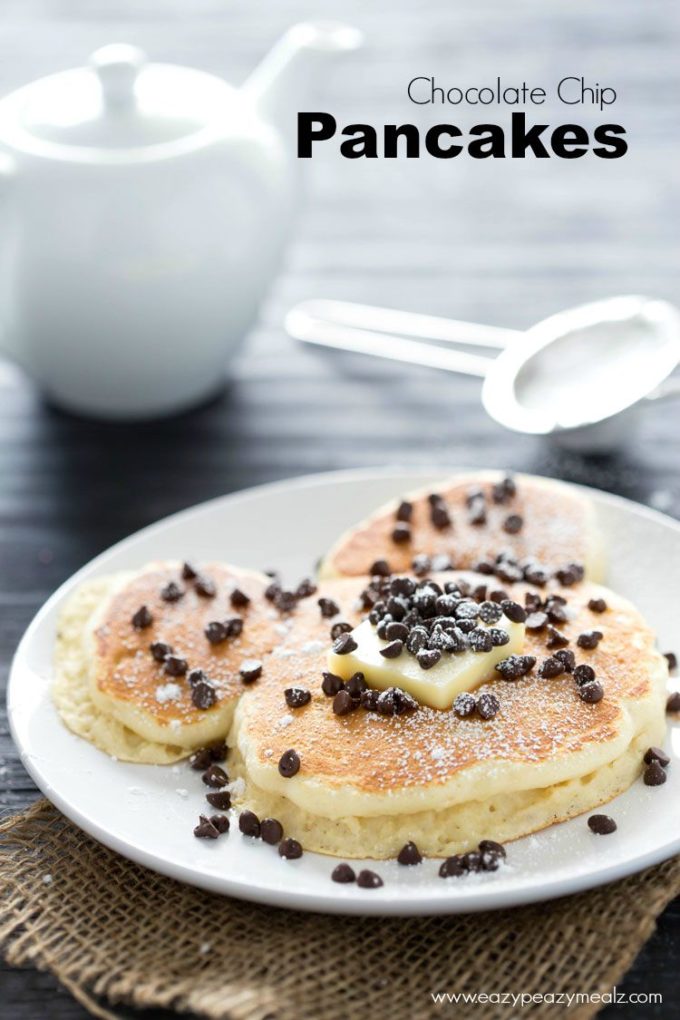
(117, 67)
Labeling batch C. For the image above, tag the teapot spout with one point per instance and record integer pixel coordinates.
(281, 80)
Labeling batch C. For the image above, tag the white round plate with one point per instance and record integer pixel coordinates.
(147, 813)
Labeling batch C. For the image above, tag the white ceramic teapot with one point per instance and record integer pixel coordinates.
(143, 214)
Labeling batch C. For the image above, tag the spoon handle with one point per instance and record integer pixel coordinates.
(300, 325)
(413, 324)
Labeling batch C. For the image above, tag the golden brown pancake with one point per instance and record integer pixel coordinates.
(368, 783)
(558, 528)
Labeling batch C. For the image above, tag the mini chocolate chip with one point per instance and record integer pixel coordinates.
(401, 533)
(289, 764)
(249, 824)
(239, 599)
(380, 568)
(201, 759)
(220, 800)
(404, 511)
(537, 621)
(396, 631)
(673, 703)
(250, 670)
(272, 591)
(331, 684)
(491, 846)
(285, 601)
(356, 685)
(368, 879)
(601, 825)
(504, 490)
(160, 650)
(343, 873)
(205, 587)
(142, 618)
(369, 700)
(296, 697)
(402, 586)
(498, 595)
(203, 694)
(452, 867)
(344, 644)
(409, 854)
(393, 650)
(591, 692)
(589, 639)
(215, 776)
(206, 829)
(174, 665)
(188, 572)
(489, 859)
(472, 860)
(215, 632)
(490, 612)
(477, 512)
(551, 667)
(221, 822)
(584, 674)
(488, 705)
(657, 754)
(428, 657)
(513, 524)
(290, 849)
(514, 611)
(172, 592)
(271, 831)
(464, 705)
(344, 703)
(534, 573)
(440, 516)
(328, 608)
(568, 659)
(515, 666)
(672, 660)
(654, 775)
(340, 628)
(556, 639)
(498, 637)
(480, 640)
(597, 606)
(421, 565)
(305, 589)
(195, 676)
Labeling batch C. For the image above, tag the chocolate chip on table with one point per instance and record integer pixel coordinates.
(393, 650)
(428, 658)
(206, 829)
(401, 533)
(515, 666)
(672, 660)
(654, 775)
(584, 674)
(220, 800)
(344, 644)
(239, 599)
(203, 694)
(343, 873)
(331, 684)
(556, 639)
(356, 685)
(290, 849)
(344, 703)
(464, 705)
(368, 879)
(380, 568)
(673, 703)
(404, 511)
(328, 608)
(221, 823)
(568, 660)
(172, 592)
(271, 831)
(215, 777)
(513, 611)
(452, 867)
(188, 572)
(305, 589)
(249, 824)
(250, 670)
(536, 621)
(205, 587)
(409, 854)
(601, 825)
(160, 650)
(597, 606)
(513, 524)
(142, 618)
(216, 632)
(175, 665)
(296, 697)
(551, 667)
(289, 764)
(589, 639)
(488, 705)
(591, 692)
(656, 754)
(340, 628)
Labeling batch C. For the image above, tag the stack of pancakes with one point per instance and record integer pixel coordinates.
(368, 782)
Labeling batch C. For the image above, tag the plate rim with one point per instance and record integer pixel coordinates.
(468, 902)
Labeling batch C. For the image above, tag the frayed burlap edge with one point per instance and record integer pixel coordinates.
(113, 932)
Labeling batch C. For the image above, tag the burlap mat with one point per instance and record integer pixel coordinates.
(114, 933)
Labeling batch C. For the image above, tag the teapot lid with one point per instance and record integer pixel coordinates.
(119, 102)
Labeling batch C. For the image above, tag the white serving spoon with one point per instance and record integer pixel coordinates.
(579, 376)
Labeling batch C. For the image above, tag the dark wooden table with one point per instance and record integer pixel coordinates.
(505, 242)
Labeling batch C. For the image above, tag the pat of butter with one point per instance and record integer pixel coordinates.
(437, 686)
